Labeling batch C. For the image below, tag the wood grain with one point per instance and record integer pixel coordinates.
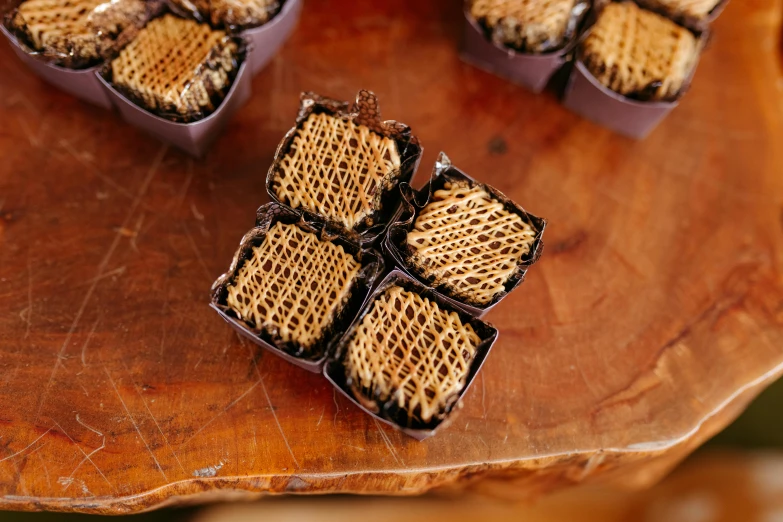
(719, 487)
(654, 316)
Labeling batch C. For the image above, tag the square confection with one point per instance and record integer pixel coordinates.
(337, 169)
(78, 33)
(409, 351)
(230, 13)
(638, 53)
(293, 286)
(468, 242)
(177, 68)
(526, 25)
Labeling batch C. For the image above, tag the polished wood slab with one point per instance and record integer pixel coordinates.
(652, 319)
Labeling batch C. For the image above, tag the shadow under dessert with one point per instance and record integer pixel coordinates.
(409, 355)
(639, 54)
(178, 69)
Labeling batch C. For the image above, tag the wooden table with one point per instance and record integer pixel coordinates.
(653, 318)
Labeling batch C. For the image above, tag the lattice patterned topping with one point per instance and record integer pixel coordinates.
(293, 286)
(176, 65)
(689, 8)
(337, 169)
(638, 53)
(79, 30)
(528, 25)
(408, 350)
(466, 240)
(231, 13)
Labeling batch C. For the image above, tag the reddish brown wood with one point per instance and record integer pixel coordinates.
(721, 487)
(654, 316)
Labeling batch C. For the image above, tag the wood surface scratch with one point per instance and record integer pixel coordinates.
(277, 421)
(87, 457)
(16, 454)
(101, 269)
(135, 426)
(388, 443)
(154, 419)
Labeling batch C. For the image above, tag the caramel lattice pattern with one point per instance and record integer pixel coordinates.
(337, 169)
(75, 26)
(638, 53)
(528, 25)
(406, 349)
(293, 286)
(231, 13)
(466, 240)
(176, 65)
(694, 8)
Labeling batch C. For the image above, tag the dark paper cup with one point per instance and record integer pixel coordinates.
(194, 138)
(334, 371)
(266, 40)
(413, 202)
(589, 98)
(81, 83)
(532, 71)
(269, 214)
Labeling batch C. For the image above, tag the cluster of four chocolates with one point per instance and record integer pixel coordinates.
(304, 282)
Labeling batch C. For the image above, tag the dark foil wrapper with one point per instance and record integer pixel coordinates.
(395, 245)
(364, 111)
(530, 70)
(389, 412)
(268, 215)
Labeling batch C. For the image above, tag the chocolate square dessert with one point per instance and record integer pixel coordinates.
(410, 355)
(531, 26)
(232, 14)
(638, 53)
(293, 286)
(177, 68)
(468, 242)
(336, 168)
(78, 33)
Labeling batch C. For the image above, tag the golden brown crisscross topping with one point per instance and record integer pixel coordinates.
(408, 350)
(176, 65)
(466, 240)
(337, 169)
(294, 285)
(638, 53)
(528, 25)
(77, 29)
